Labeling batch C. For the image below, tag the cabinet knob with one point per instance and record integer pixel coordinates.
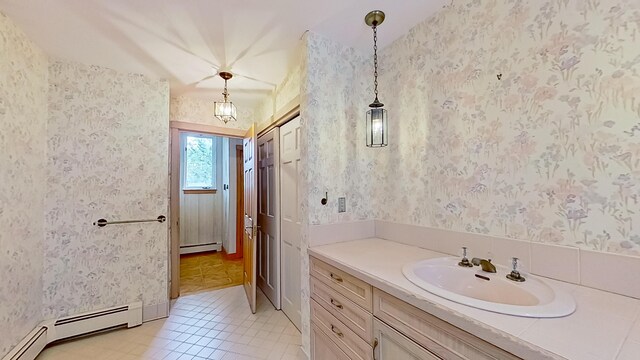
(336, 331)
(336, 304)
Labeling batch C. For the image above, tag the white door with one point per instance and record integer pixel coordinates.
(225, 194)
(268, 233)
(250, 214)
(290, 220)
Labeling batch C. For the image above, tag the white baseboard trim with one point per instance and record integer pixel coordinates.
(200, 248)
(155, 312)
(68, 327)
(31, 345)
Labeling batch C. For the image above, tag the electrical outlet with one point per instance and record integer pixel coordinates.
(342, 204)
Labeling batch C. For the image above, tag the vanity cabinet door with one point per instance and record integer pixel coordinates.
(440, 337)
(322, 348)
(394, 346)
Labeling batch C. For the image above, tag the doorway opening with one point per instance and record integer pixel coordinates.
(268, 211)
(211, 185)
(207, 211)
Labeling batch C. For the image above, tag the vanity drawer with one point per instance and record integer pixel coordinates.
(349, 286)
(356, 318)
(436, 335)
(345, 338)
(323, 348)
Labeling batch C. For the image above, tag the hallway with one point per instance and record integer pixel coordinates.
(208, 271)
(209, 325)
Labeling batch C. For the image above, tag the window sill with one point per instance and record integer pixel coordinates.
(199, 191)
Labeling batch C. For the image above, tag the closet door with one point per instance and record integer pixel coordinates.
(268, 234)
(290, 219)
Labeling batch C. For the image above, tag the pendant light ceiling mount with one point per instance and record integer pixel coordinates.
(225, 75)
(374, 18)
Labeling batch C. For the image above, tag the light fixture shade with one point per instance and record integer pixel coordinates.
(377, 132)
(225, 111)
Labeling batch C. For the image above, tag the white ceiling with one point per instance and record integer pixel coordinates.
(186, 41)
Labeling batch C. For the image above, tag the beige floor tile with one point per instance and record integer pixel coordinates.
(212, 325)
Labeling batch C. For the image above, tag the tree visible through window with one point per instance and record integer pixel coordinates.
(199, 170)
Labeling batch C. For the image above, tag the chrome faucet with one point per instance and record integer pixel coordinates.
(486, 265)
(464, 262)
(515, 274)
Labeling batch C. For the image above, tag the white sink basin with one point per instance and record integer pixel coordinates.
(532, 298)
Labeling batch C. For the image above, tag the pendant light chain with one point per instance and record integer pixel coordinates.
(225, 93)
(375, 61)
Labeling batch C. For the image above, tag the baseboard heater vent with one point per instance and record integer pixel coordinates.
(30, 346)
(87, 323)
(73, 326)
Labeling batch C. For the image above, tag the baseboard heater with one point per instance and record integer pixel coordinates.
(190, 249)
(74, 326)
(30, 346)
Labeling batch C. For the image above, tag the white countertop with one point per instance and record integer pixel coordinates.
(604, 325)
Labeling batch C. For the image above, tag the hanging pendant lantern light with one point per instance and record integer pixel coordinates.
(377, 135)
(225, 111)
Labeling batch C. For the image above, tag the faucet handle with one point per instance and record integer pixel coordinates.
(514, 263)
(464, 262)
(515, 274)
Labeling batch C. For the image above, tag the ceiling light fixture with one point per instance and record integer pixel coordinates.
(376, 115)
(225, 111)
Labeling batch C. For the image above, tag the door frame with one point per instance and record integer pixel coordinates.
(288, 112)
(175, 128)
(239, 204)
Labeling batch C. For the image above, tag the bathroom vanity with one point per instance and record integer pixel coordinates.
(364, 308)
(351, 319)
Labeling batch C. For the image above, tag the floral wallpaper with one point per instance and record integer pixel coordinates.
(518, 119)
(290, 86)
(284, 92)
(332, 116)
(107, 158)
(511, 118)
(23, 117)
(200, 111)
(332, 155)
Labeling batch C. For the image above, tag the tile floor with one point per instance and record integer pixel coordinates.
(208, 271)
(209, 325)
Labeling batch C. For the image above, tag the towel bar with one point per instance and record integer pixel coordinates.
(104, 222)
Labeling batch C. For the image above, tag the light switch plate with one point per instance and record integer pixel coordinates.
(342, 204)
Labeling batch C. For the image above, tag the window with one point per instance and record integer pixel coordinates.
(199, 162)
